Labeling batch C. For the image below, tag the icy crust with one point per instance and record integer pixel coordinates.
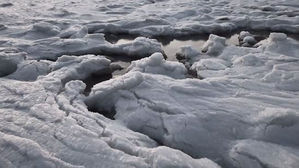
(45, 123)
(148, 17)
(247, 94)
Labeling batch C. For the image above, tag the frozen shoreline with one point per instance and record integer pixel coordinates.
(63, 103)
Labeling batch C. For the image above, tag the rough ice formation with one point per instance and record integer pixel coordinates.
(205, 117)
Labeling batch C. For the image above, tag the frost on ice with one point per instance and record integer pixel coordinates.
(238, 108)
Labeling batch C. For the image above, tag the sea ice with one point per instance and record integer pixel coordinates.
(241, 111)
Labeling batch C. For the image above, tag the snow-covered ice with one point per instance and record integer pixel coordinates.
(238, 99)
(223, 105)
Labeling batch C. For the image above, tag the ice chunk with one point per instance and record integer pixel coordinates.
(189, 53)
(156, 64)
(68, 68)
(214, 45)
(140, 47)
(279, 43)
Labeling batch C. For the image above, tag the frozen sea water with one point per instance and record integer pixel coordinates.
(85, 83)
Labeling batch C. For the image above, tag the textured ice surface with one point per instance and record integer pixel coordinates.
(242, 114)
(246, 93)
